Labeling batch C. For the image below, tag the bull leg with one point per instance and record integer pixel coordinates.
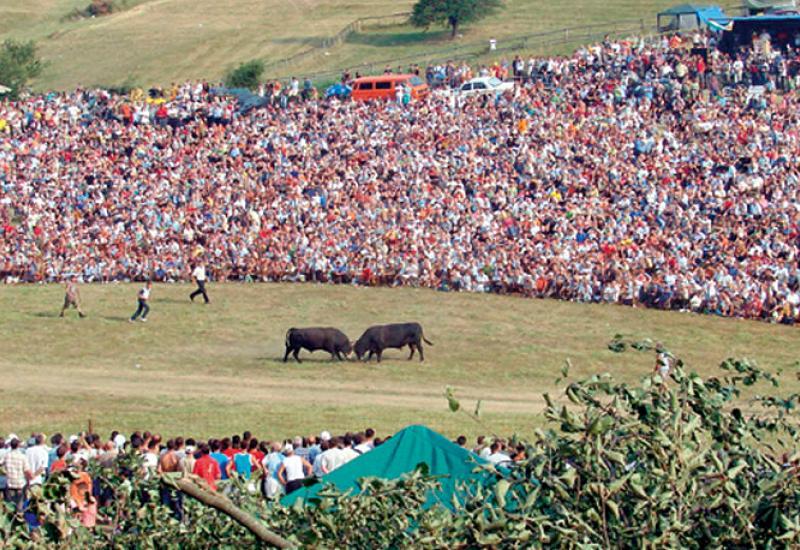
(411, 347)
(286, 355)
(421, 355)
(297, 355)
(379, 353)
(339, 355)
(369, 357)
(333, 355)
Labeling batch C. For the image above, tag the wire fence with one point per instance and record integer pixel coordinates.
(475, 50)
(337, 39)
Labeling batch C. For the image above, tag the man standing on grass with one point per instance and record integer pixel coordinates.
(72, 297)
(144, 298)
(199, 276)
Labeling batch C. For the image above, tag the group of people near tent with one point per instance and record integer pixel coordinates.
(281, 466)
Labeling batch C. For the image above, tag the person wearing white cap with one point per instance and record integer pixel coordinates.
(293, 470)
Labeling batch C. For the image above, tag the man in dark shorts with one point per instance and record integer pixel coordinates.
(72, 297)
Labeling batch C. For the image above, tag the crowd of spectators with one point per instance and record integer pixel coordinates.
(281, 465)
(657, 173)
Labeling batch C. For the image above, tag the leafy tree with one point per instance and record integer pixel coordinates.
(18, 65)
(246, 75)
(451, 13)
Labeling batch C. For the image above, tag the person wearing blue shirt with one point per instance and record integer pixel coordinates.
(221, 459)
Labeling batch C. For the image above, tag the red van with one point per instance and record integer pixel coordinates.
(385, 86)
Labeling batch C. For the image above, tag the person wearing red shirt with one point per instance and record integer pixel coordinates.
(207, 468)
(60, 464)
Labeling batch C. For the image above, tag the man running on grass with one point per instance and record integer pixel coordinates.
(72, 297)
(144, 298)
(199, 275)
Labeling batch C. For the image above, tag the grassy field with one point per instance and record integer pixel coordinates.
(161, 41)
(212, 370)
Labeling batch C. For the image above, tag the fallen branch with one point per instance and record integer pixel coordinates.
(225, 506)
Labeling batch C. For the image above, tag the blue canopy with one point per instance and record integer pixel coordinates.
(688, 16)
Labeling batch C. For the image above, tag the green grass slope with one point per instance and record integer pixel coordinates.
(206, 370)
(161, 41)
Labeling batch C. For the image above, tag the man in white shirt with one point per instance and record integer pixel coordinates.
(199, 276)
(144, 307)
(293, 470)
(37, 456)
(332, 458)
(367, 442)
(348, 453)
(497, 456)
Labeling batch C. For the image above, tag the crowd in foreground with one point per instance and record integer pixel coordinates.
(636, 172)
(282, 465)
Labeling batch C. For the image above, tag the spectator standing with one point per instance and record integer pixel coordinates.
(16, 468)
(38, 457)
(271, 464)
(220, 457)
(293, 470)
(207, 468)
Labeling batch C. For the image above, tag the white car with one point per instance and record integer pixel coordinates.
(485, 85)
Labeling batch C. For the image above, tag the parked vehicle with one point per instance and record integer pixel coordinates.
(385, 86)
(485, 85)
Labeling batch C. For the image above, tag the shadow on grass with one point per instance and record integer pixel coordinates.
(114, 318)
(46, 315)
(306, 359)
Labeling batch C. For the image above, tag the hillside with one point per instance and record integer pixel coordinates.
(161, 41)
(217, 369)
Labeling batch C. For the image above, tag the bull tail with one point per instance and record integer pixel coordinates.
(288, 333)
(426, 340)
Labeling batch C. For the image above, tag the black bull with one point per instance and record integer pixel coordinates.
(378, 338)
(332, 340)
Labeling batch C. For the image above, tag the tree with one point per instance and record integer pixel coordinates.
(451, 13)
(246, 75)
(18, 65)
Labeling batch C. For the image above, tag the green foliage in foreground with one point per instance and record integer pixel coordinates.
(246, 75)
(672, 461)
(18, 65)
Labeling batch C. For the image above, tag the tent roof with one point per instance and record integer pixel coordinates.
(400, 455)
(688, 8)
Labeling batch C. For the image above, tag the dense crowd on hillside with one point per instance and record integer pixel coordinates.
(635, 172)
(283, 464)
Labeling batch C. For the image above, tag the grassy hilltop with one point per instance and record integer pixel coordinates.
(216, 369)
(161, 41)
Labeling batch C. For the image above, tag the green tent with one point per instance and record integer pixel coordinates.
(400, 455)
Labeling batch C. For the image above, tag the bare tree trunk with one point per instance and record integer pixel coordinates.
(225, 506)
